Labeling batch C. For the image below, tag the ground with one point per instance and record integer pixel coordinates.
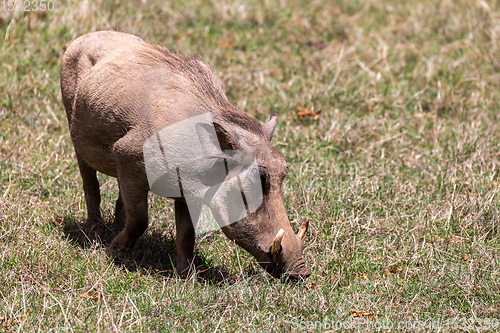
(398, 173)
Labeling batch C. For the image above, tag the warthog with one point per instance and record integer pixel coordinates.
(120, 93)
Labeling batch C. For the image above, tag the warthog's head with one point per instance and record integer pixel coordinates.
(266, 232)
(238, 176)
(268, 236)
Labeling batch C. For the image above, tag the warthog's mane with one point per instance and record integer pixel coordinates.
(206, 85)
(241, 120)
(201, 77)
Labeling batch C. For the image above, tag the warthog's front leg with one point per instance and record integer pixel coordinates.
(133, 190)
(119, 211)
(135, 205)
(185, 238)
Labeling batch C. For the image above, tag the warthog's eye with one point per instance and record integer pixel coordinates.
(264, 181)
(285, 173)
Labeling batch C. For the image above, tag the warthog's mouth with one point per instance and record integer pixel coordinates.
(297, 271)
(281, 262)
(289, 276)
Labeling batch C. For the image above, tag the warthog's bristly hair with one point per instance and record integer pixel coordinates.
(206, 86)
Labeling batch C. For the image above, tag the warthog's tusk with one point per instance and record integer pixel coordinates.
(303, 229)
(277, 243)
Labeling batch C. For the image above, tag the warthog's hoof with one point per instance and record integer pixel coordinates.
(94, 228)
(120, 257)
(185, 268)
(115, 252)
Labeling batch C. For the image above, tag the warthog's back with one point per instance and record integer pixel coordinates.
(113, 83)
(83, 53)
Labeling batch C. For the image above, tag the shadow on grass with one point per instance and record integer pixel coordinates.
(153, 252)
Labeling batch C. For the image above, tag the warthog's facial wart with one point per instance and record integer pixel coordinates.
(185, 160)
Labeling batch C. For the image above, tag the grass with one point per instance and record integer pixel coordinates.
(399, 175)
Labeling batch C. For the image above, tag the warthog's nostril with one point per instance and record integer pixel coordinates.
(300, 273)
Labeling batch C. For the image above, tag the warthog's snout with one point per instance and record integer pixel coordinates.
(284, 259)
(302, 274)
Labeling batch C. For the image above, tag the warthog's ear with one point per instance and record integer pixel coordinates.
(269, 127)
(225, 139)
(214, 139)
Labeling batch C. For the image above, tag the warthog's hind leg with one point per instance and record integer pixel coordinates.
(92, 195)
